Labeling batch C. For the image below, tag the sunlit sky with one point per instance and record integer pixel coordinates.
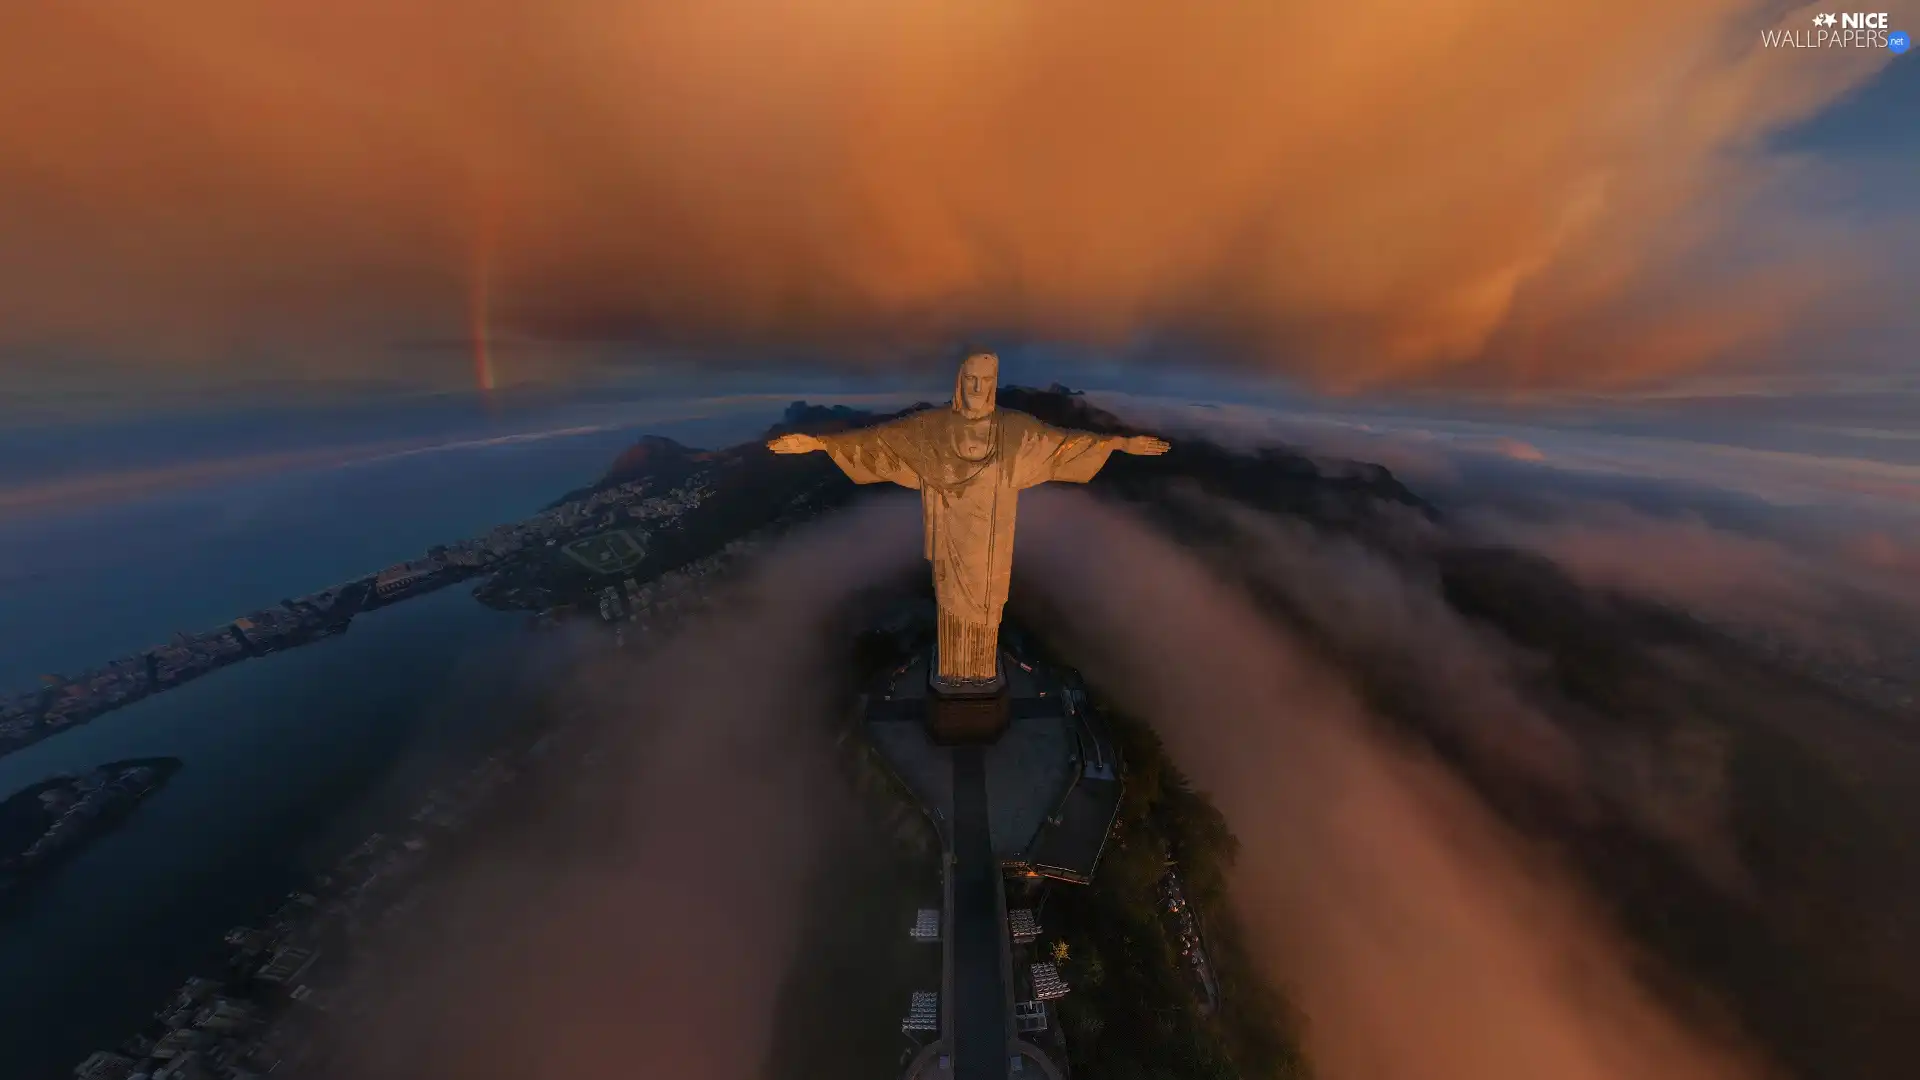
(242, 237)
(1467, 197)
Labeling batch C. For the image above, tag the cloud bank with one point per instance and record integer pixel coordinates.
(1419, 936)
(1382, 191)
(1842, 596)
(644, 921)
(1806, 549)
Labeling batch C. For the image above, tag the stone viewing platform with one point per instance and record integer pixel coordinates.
(1021, 783)
(1052, 776)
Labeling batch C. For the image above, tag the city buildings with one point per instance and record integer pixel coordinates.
(64, 701)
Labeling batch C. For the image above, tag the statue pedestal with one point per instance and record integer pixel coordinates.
(967, 721)
(963, 712)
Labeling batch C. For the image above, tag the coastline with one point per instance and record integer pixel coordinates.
(66, 702)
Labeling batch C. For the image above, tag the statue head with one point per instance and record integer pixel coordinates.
(975, 388)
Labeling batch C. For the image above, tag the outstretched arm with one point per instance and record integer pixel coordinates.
(1048, 453)
(862, 454)
(1141, 445)
(795, 443)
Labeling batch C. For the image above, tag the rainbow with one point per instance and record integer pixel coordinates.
(479, 304)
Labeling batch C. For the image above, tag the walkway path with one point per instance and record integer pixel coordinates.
(980, 1035)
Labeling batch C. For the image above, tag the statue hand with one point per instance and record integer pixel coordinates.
(1145, 446)
(795, 443)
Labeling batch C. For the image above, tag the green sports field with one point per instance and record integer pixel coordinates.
(616, 552)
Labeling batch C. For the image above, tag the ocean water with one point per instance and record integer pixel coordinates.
(288, 758)
(86, 585)
(283, 755)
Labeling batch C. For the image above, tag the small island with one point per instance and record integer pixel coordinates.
(49, 821)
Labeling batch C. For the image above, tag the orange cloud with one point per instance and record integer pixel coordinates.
(1380, 190)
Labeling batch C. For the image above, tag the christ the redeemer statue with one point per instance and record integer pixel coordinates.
(969, 464)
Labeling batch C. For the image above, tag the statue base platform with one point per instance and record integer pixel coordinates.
(963, 712)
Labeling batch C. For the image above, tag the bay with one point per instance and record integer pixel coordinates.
(289, 759)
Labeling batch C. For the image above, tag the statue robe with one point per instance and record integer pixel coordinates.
(969, 474)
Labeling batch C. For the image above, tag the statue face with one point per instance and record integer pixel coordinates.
(978, 376)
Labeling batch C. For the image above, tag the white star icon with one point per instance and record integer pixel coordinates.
(1829, 17)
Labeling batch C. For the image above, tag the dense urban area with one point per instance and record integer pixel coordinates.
(64, 701)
